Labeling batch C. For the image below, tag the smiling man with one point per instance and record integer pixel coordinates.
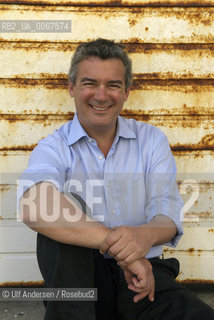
(101, 193)
(99, 93)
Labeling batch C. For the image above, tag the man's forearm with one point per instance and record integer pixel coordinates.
(160, 230)
(70, 224)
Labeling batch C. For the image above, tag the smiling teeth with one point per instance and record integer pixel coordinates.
(99, 109)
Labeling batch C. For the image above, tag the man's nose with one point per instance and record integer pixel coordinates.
(101, 94)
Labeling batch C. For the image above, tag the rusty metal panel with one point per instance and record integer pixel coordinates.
(183, 132)
(184, 25)
(11, 162)
(143, 3)
(196, 266)
(196, 239)
(35, 97)
(146, 98)
(18, 268)
(10, 232)
(159, 97)
(194, 162)
(150, 61)
(7, 203)
(198, 202)
(173, 89)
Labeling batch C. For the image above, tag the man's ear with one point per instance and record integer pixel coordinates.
(70, 88)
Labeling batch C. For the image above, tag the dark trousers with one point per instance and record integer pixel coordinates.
(68, 266)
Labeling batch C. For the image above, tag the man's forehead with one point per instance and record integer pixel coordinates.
(91, 66)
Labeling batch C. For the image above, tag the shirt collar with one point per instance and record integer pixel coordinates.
(77, 132)
(123, 130)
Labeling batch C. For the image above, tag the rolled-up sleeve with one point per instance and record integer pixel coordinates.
(162, 191)
(45, 164)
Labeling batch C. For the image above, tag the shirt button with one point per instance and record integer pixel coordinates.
(108, 184)
(113, 211)
(89, 140)
(100, 157)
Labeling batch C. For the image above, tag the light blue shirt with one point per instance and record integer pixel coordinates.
(134, 183)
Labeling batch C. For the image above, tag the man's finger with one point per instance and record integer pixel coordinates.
(139, 283)
(140, 296)
(112, 238)
(151, 295)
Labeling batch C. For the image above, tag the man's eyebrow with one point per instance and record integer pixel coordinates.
(87, 79)
(115, 82)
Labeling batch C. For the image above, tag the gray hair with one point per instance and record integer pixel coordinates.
(103, 49)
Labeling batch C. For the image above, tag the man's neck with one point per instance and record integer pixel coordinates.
(104, 139)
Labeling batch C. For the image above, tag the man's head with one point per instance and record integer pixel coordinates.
(103, 49)
(100, 78)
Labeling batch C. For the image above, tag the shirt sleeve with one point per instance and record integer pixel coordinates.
(162, 191)
(45, 164)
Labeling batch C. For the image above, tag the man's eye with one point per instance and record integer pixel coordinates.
(88, 84)
(114, 86)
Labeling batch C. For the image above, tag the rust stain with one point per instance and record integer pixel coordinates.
(22, 284)
(36, 117)
(206, 186)
(18, 148)
(39, 46)
(26, 83)
(167, 47)
(4, 188)
(195, 154)
(206, 143)
(132, 22)
(196, 281)
(208, 140)
(204, 214)
(130, 47)
(119, 3)
(170, 75)
(185, 85)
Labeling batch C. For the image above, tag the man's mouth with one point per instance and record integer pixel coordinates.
(99, 108)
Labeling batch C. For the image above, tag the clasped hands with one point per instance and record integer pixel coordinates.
(129, 245)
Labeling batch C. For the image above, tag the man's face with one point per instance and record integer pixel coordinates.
(99, 93)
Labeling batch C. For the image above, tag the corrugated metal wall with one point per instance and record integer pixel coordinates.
(171, 44)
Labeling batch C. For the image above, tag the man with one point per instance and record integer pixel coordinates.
(102, 196)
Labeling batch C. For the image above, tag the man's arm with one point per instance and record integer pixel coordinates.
(128, 244)
(58, 217)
